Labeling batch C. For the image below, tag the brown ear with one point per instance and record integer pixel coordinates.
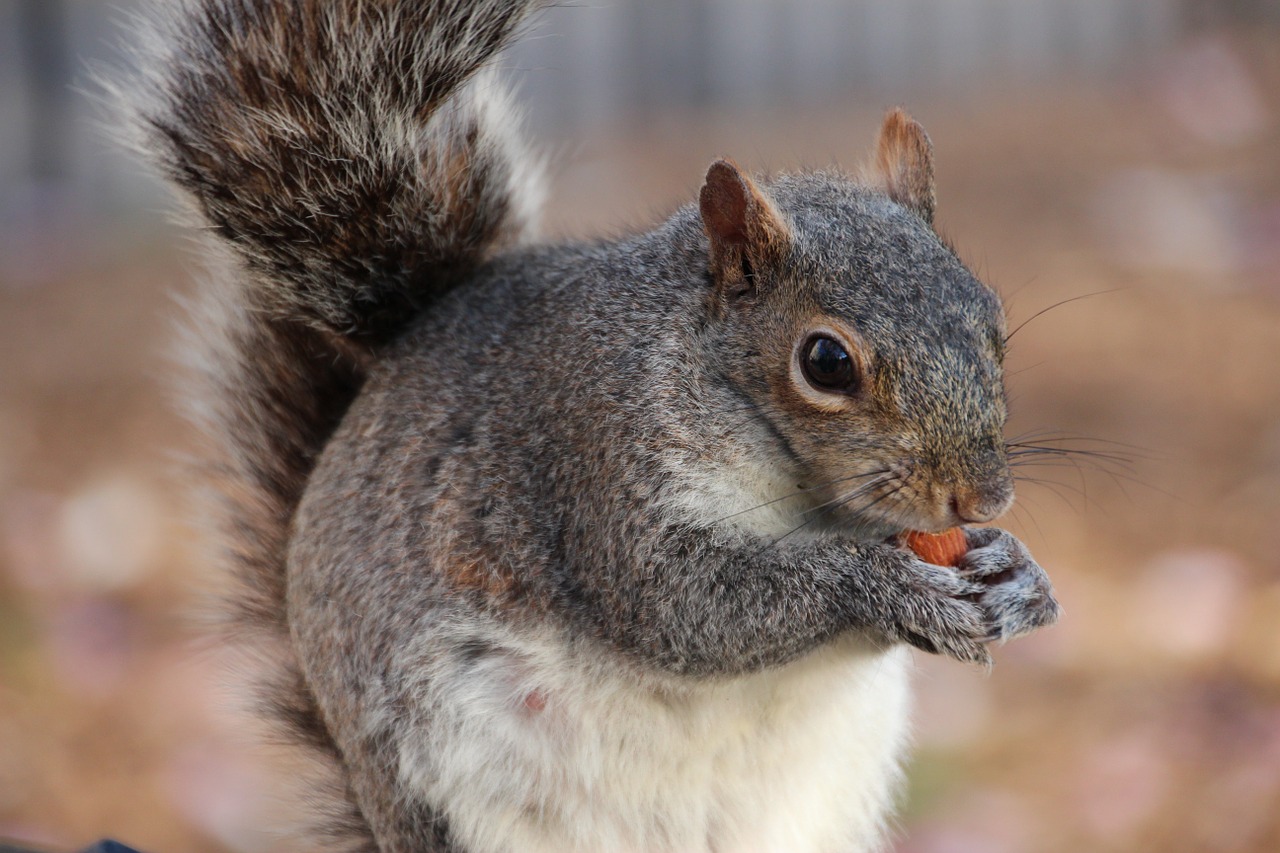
(904, 164)
(745, 229)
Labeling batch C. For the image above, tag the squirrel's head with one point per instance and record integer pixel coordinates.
(869, 351)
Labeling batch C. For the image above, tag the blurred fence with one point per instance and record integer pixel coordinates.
(609, 59)
(625, 57)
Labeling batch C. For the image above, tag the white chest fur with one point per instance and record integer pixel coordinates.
(529, 746)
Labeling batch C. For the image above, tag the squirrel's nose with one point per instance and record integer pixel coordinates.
(974, 506)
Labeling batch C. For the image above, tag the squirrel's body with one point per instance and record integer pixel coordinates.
(575, 548)
(541, 738)
(539, 742)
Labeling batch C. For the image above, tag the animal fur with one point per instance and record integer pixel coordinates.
(554, 548)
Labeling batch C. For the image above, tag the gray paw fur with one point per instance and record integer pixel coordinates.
(937, 611)
(1016, 596)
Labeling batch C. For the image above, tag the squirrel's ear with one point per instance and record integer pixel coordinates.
(745, 229)
(903, 164)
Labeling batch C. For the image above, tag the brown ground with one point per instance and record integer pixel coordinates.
(1149, 719)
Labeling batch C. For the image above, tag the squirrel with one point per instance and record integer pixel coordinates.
(577, 547)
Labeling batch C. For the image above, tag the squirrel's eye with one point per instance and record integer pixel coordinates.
(828, 366)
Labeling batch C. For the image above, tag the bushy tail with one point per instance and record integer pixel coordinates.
(355, 158)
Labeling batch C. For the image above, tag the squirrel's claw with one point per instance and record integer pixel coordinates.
(1017, 596)
(939, 613)
(998, 592)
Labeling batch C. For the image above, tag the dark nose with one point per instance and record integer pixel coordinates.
(974, 506)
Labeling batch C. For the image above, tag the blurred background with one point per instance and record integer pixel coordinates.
(1117, 159)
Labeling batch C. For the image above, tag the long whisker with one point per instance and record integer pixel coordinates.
(1114, 470)
(1022, 466)
(1046, 436)
(840, 500)
(1045, 442)
(1055, 488)
(800, 491)
(1018, 465)
(1049, 450)
(1042, 311)
(1049, 445)
(834, 506)
(1012, 373)
(1018, 513)
(1119, 467)
(887, 495)
(1050, 457)
(848, 499)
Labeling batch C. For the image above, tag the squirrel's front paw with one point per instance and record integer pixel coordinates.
(1016, 596)
(937, 612)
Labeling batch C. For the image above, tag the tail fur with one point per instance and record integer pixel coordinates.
(355, 159)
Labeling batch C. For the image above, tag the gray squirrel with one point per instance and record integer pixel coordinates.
(585, 547)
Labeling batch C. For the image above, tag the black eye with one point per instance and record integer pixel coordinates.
(828, 366)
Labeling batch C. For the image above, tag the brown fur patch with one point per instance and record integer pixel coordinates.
(903, 164)
(465, 561)
(745, 229)
(474, 574)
